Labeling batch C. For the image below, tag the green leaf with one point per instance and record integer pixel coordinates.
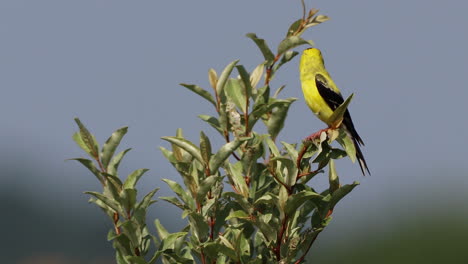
(294, 27)
(162, 231)
(266, 228)
(291, 149)
(292, 42)
(262, 97)
(91, 167)
(278, 116)
(87, 141)
(146, 201)
(256, 75)
(333, 177)
(347, 143)
(128, 197)
(287, 56)
(273, 148)
(277, 92)
(174, 201)
(337, 115)
(205, 148)
(213, 122)
(113, 204)
(107, 210)
(235, 93)
(213, 78)
(133, 178)
(262, 45)
(205, 186)
(199, 226)
(225, 76)
(245, 77)
(169, 240)
(131, 230)
(241, 200)
(200, 91)
(111, 145)
(178, 190)
(238, 214)
(341, 192)
(288, 169)
(136, 260)
(186, 145)
(223, 153)
(317, 20)
(235, 173)
(79, 141)
(268, 198)
(115, 162)
(223, 248)
(298, 199)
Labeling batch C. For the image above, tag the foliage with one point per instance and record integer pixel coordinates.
(249, 201)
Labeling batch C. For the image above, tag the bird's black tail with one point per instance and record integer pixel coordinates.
(360, 157)
(349, 127)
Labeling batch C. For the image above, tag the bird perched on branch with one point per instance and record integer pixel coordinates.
(323, 97)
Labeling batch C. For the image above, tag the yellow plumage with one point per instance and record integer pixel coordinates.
(323, 97)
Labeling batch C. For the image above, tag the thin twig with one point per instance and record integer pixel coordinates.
(279, 239)
(308, 248)
(226, 137)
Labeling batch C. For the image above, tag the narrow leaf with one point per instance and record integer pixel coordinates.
(178, 190)
(341, 192)
(347, 143)
(168, 242)
(88, 140)
(200, 91)
(133, 178)
(276, 122)
(187, 146)
(333, 177)
(162, 231)
(213, 78)
(245, 77)
(223, 153)
(287, 56)
(225, 76)
(213, 122)
(236, 93)
(256, 75)
(205, 148)
(238, 214)
(146, 201)
(337, 115)
(113, 166)
(106, 200)
(262, 45)
(298, 199)
(111, 145)
(205, 186)
(235, 173)
(90, 165)
(292, 42)
(294, 27)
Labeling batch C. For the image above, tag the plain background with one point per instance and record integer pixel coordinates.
(118, 63)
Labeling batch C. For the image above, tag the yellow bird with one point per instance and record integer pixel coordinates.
(323, 97)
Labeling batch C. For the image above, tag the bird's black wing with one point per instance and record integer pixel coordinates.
(333, 100)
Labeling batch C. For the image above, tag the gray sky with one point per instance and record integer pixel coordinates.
(118, 63)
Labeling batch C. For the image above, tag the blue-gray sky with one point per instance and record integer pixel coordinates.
(118, 63)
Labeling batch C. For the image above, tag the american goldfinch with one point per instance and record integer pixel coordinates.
(323, 97)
